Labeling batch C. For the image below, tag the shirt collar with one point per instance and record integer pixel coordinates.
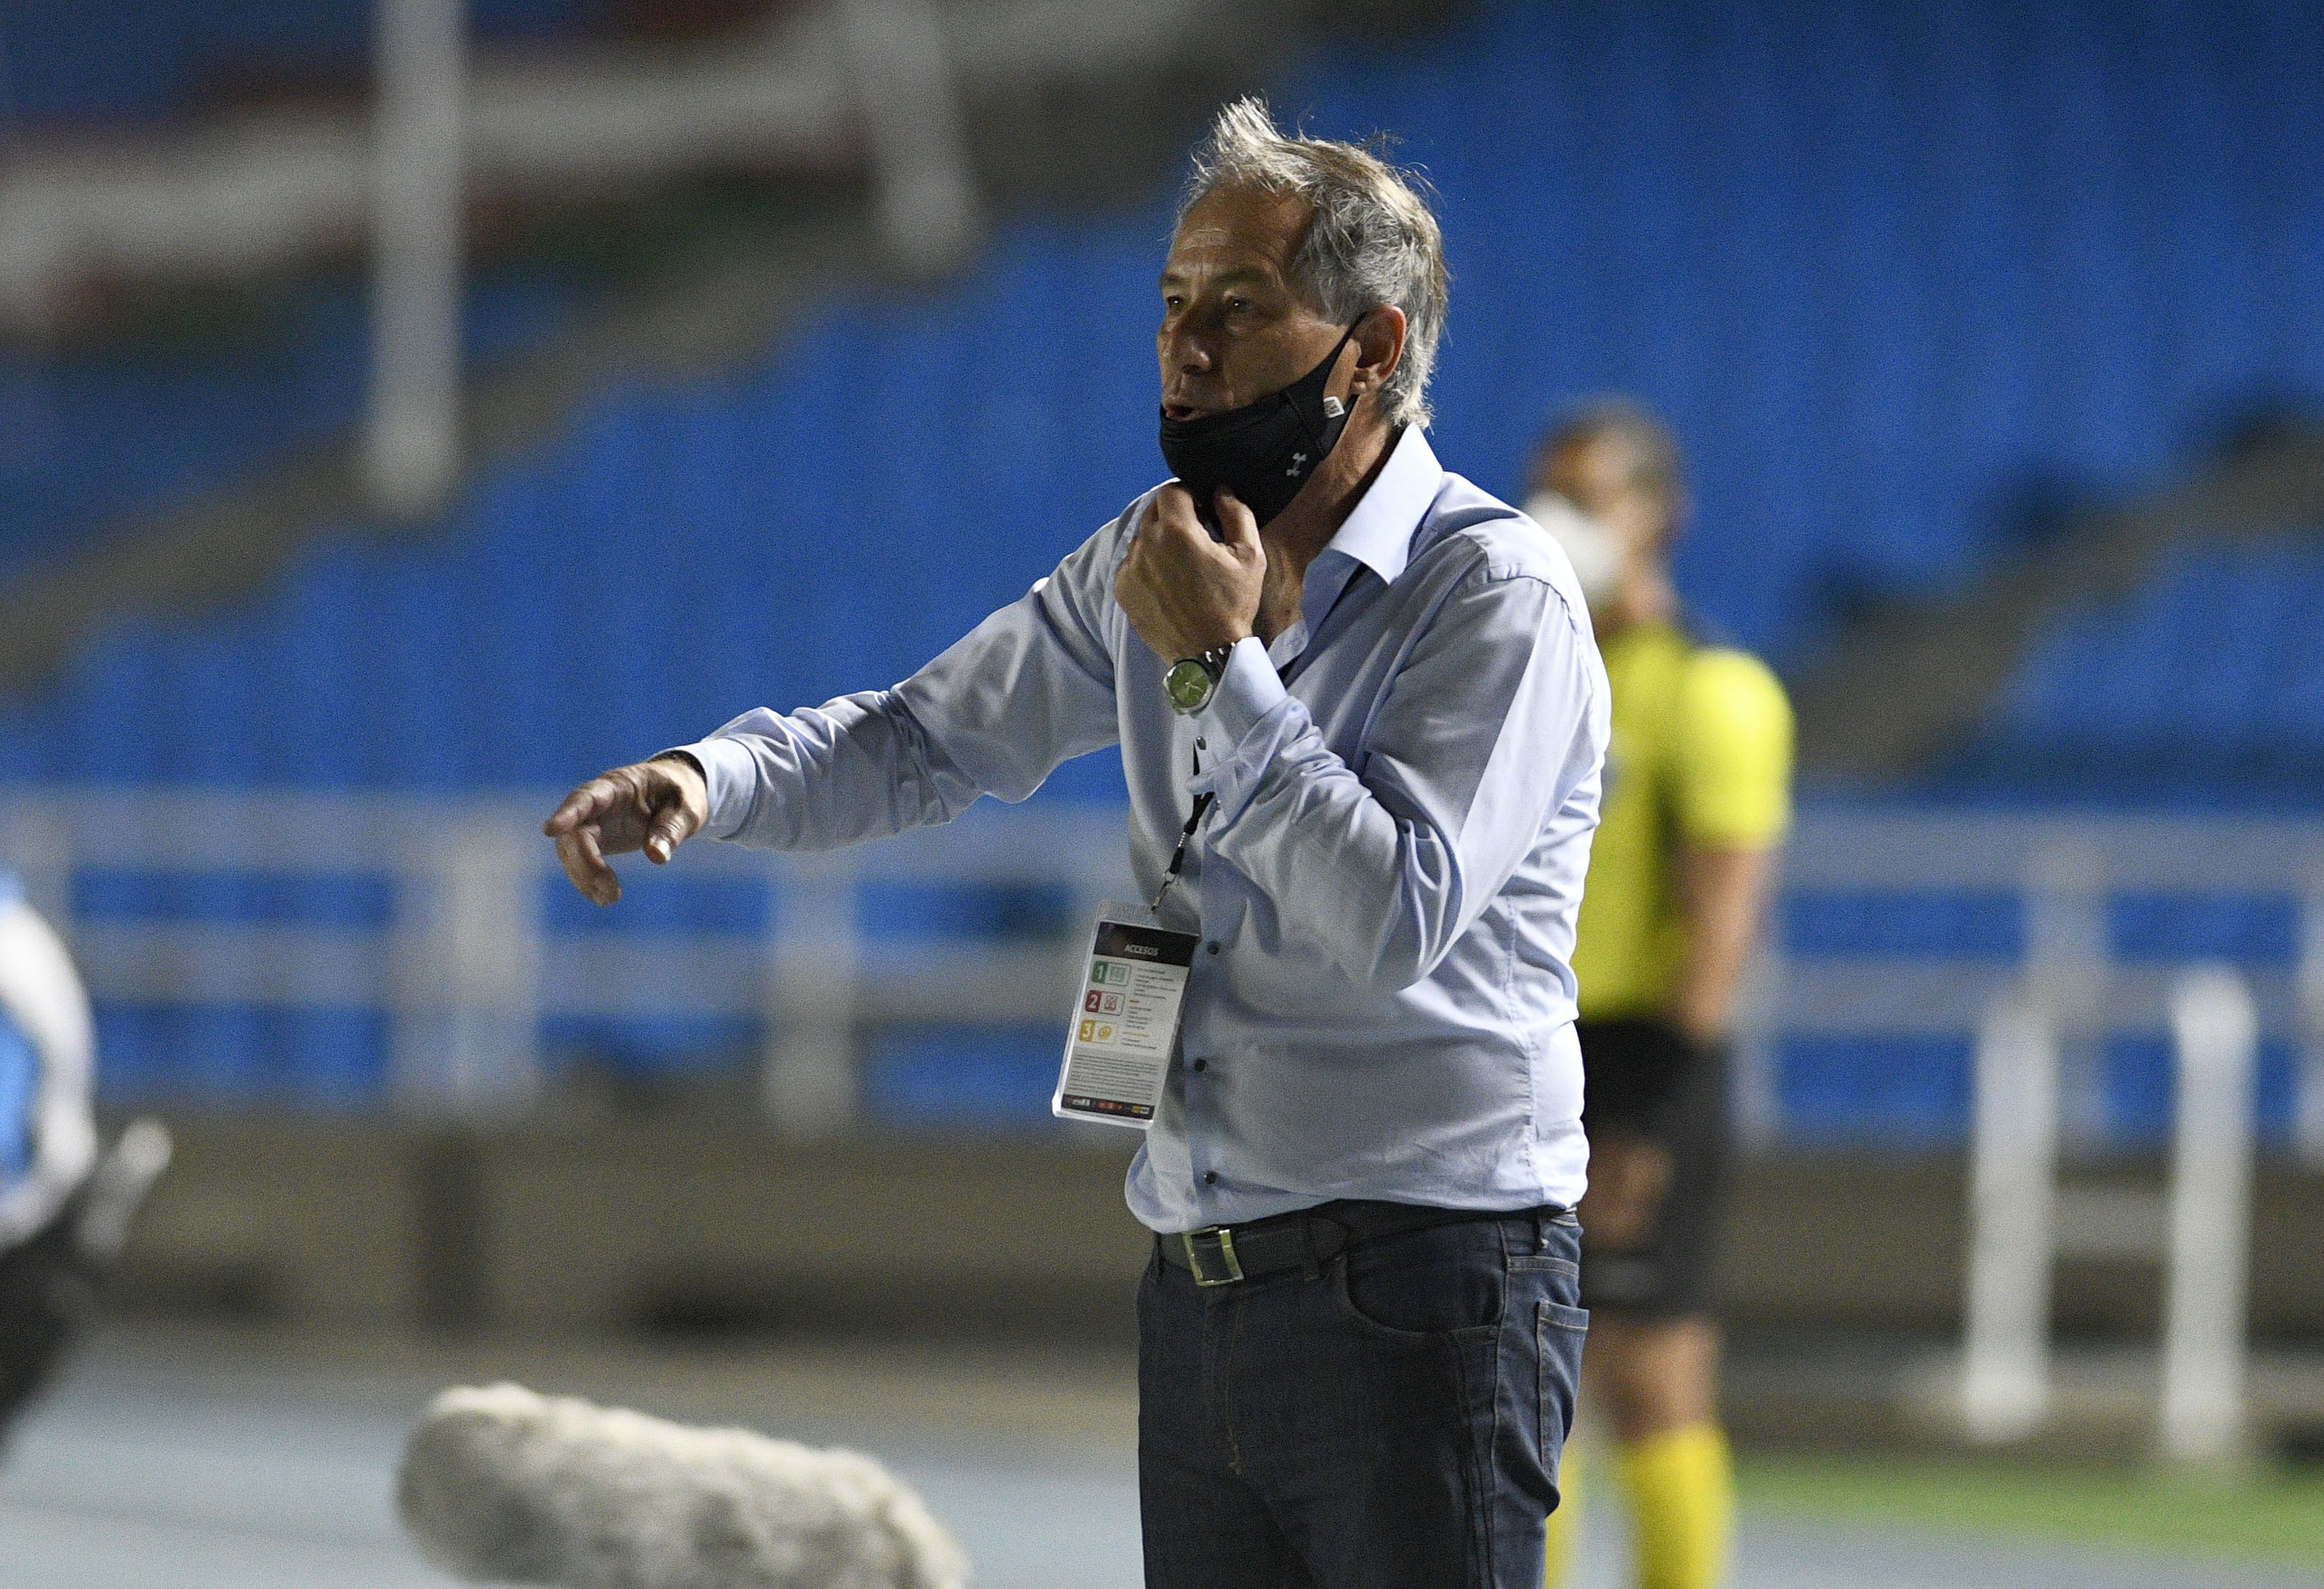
(1379, 533)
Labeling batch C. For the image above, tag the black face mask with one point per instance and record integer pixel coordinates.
(1263, 451)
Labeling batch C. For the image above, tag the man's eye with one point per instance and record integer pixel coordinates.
(1235, 306)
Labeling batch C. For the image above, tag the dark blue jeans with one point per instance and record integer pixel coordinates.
(1390, 1419)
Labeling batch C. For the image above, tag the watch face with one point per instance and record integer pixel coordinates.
(1188, 684)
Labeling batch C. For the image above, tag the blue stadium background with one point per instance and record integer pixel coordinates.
(1894, 271)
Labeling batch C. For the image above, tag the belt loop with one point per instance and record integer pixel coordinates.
(1307, 1246)
(1541, 1230)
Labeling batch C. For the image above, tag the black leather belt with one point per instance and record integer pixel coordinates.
(1220, 1255)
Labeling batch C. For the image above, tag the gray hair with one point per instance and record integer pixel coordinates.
(1371, 240)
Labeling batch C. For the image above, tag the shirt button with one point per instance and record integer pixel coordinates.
(1210, 1177)
(1202, 1065)
(1213, 947)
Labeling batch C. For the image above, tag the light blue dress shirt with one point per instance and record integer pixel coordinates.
(1385, 886)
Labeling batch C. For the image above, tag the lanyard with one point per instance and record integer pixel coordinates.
(1186, 835)
(1203, 800)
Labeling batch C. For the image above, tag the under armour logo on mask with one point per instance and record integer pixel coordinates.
(1298, 462)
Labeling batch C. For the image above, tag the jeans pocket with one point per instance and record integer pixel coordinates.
(1558, 1335)
(1449, 1283)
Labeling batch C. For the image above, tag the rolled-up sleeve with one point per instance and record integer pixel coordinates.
(1497, 712)
(1030, 686)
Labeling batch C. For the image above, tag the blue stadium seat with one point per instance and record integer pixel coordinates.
(2201, 681)
(68, 62)
(90, 438)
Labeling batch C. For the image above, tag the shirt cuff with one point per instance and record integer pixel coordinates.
(730, 778)
(1248, 690)
(1242, 724)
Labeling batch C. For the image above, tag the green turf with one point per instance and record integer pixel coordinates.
(2269, 1517)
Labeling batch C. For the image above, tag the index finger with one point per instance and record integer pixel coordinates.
(1151, 513)
(585, 865)
(1176, 500)
(1174, 508)
(593, 798)
(1235, 517)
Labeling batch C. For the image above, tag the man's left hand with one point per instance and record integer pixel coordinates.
(1183, 592)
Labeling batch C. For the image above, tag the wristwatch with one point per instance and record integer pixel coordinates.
(1192, 682)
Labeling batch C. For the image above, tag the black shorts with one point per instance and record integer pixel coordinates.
(1646, 1079)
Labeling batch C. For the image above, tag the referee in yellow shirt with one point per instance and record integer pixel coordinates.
(1697, 798)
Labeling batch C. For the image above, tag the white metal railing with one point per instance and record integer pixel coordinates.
(264, 188)
(2208, 1245)
(2066, 870)
(2198, 1227)
(895, 53)
(467, 970)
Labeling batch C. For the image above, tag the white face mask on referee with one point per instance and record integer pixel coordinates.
(1594, 551)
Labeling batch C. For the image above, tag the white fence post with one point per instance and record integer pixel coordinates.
(2005, 1359)
(906, 102)
(2203, 1346)
(809, 1078)
(2066, 972)
(467, 1037)
(37, 844)
(412, 444)
(2308, 1096)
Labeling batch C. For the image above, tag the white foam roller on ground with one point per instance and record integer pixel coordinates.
(500, 1485)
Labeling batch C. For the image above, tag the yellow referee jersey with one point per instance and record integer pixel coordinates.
(1700, 755)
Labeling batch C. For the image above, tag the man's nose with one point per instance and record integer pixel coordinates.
(1184, 349)
(1190, 340)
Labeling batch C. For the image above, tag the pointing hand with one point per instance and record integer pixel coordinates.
(653, 806)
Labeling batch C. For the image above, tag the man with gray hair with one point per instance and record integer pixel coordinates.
(1361, 715)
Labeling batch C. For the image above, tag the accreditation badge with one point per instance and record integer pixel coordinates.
(1125, 1028)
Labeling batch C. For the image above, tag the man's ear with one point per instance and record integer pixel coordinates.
(1379, 344)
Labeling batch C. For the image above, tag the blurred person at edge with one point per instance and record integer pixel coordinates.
(1697, 796)
(1368, 692)
(48, 1149)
